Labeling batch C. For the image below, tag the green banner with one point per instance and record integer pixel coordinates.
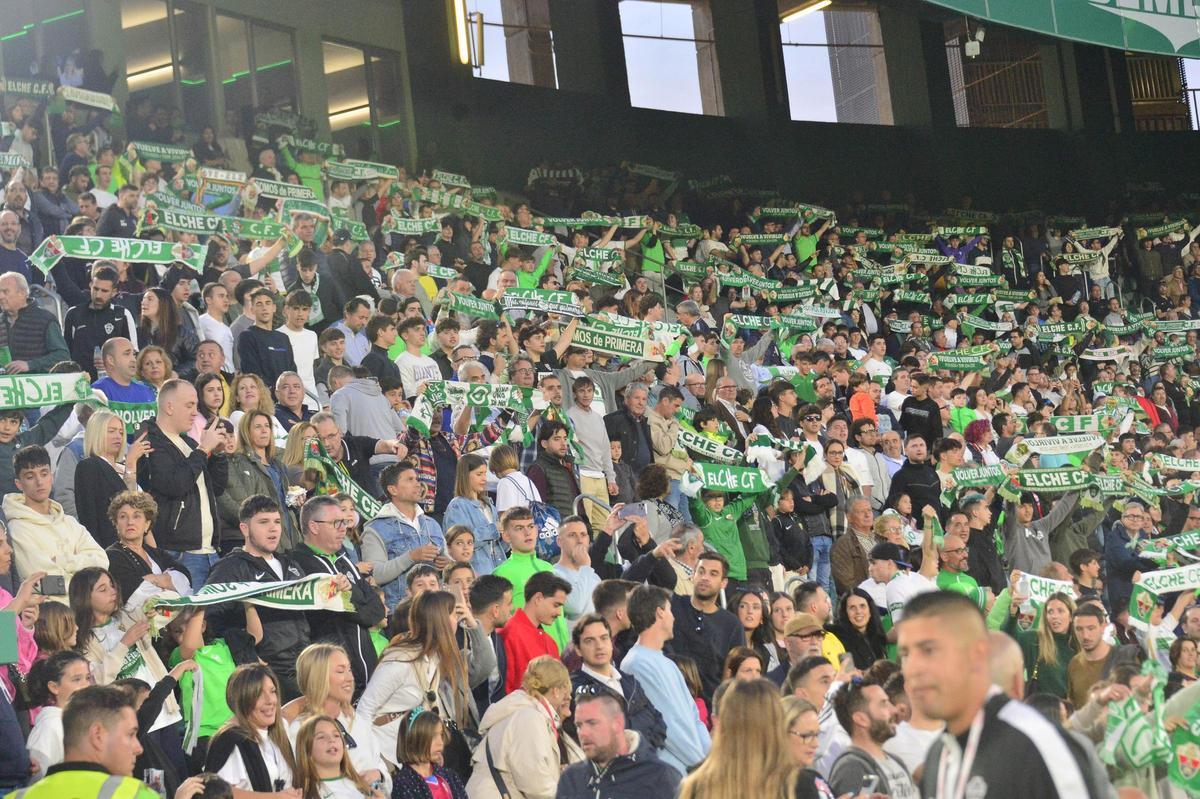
(54, 248)
(133, 413)
(734, 479)
(27, 88)
(99, 100)
(972, 359)
(180, 221)
(409, 227)
(611, 339)
(451, 179)
(153, 151)
(278, 190)
(469, 304)
(351, 169)
(594, 276)
(38, 391)
(251, 229)
(557, 302)
(335, 479)
(1147, 26)
(531, 238)
(11, 161)
(322, 148)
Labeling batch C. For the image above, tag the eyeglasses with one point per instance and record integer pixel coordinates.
(955, 551)
(813, 636)
(811, 418)
(341, 524)
(807, 737)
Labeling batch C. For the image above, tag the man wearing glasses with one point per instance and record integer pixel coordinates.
(323, 529)
(1119, 557)
(954, 555)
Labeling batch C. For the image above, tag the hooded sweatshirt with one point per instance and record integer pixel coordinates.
(54, 543)
(359, 408)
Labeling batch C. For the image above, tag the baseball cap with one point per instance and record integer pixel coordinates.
(341, 236)
(802, 623)
(886, 550)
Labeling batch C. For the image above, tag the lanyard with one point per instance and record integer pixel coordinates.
(967, 759)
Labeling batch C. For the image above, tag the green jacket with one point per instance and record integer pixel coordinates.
(721, 530)
(517, 570)
(1051, 679)
(752, 526)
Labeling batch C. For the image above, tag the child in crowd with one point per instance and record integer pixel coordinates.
(691, 678)
(708, 425)
(323, 767)
(420, 744)
(861, 404)
(460, 543)
(422, 578)
(624, 474)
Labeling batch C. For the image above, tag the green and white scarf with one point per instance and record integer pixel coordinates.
(38, 391)
(85, 97)
(335, 479)
(12, 161)
(323, 148)
(279, 190)
(706, 447)
(352, 169)
(180, 221)
(594, 277)
(470, 305)
(251, 229)
(985, 324)
(409, 227)
(946, 231)
(451, 179)
(314, 592)
(1054, 445)
(1134, 739)
(55, 248)
(153, 151)
(972, 359)
(733, 479)
(556, 302)
(611, 339)
(485, 396)
(531, 238)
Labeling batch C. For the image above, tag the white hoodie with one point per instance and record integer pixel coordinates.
(54, 543)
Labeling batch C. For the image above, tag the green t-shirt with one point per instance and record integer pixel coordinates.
(379, 640)
(804, 247)
(962, 583)
(216, 666)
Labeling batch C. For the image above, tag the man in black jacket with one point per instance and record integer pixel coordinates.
(354, 452)
(87, 327)
(263, 350)
(351, 277)
(621, 761)
(323, 529)
(285, 632)
(185, 479)
(920, 414)
(629, 426)
(916, 477)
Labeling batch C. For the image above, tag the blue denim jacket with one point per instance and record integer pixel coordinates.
(387, 540)
(489, 552)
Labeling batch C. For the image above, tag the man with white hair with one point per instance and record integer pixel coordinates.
(30, 335)
(185, 477)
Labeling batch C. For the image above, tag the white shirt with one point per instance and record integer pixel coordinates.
(877, 590)
(515, 489)
(45, 742)
(364, 757)
(414, 369)
(304, 352)
(234, 771)
(894, 400)
(877, 368)
(219, 332)
(613, 682)
(856, 459)
(903, 587)
(910, 744)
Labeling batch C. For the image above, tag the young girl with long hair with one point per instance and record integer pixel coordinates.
(51, 684)
(422, 741)
(323, 767)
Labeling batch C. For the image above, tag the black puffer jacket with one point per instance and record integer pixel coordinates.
(285, 632)
(174, 482)
(637, 775)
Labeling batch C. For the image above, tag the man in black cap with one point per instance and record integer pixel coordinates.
(351, 276)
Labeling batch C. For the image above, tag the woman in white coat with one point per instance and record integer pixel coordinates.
(522, 734)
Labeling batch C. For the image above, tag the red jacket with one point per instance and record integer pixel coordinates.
(523, 641)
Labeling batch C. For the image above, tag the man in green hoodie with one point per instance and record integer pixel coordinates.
(521, 534)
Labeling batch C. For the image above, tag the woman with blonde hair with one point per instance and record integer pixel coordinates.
(250, 393)
(750, 748)
(523, 749)
(251, 751)
(323, 764)
(421, 668)
(293, 452)
(257, 469)
(154, 366)
(473, 508)
(326, 683)
(804, 732)
(108, 467)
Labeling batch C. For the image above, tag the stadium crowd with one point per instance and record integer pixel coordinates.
(337, 481)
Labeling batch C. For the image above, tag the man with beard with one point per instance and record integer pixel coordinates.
(869, 717)
(704, 631)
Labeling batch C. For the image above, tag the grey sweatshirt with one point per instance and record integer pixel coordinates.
(1028, 548)
(360, 409)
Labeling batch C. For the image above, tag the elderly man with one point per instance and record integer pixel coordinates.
(688, 313)
(630, 426)
(850, 556)
(29, 335)
(185, 478)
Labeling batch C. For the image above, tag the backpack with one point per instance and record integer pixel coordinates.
(546, 518)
